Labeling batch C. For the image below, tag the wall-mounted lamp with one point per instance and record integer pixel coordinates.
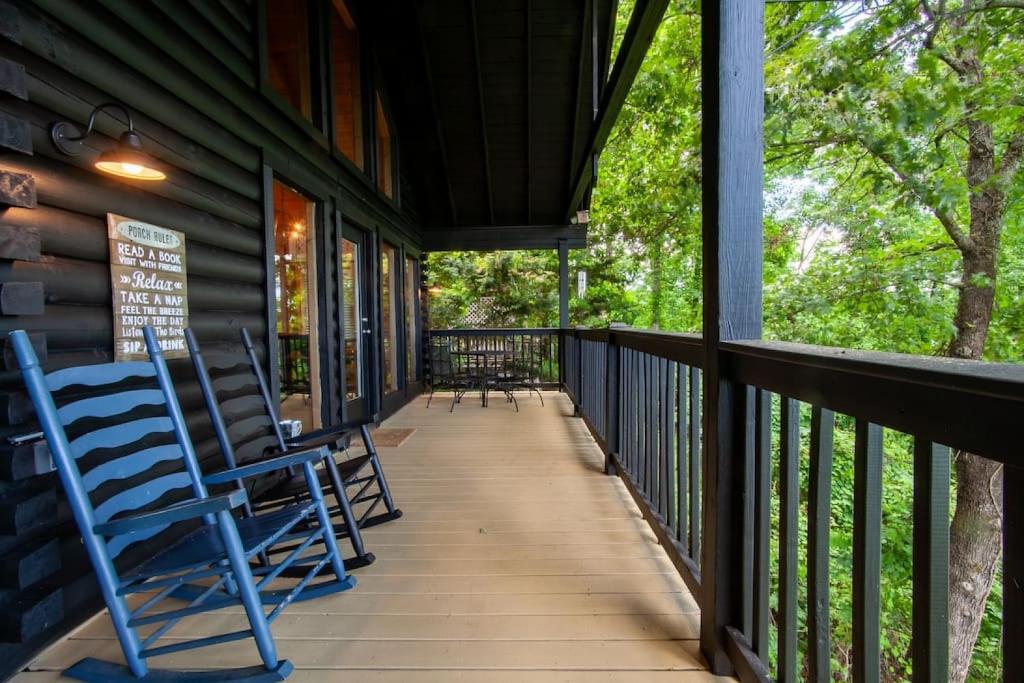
(126, 160)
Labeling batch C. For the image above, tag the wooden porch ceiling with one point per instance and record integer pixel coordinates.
(495, 106)
(517, 559)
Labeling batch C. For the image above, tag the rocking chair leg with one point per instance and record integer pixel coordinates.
(250, 596)
(325, 519)
(354, 535)
(382, 483)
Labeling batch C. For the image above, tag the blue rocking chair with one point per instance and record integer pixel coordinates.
(135, 434)
(242, 398)
(247, 429)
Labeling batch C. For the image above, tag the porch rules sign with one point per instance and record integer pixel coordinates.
(149, 287)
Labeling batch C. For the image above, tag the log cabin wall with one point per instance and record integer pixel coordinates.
(191, 73)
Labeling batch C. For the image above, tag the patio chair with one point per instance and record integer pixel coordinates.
(238, 399)
(522, 370)
(130, 473)
(446, 373)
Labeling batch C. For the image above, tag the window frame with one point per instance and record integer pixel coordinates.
(365, 93)
(378, 91)
(316, 124)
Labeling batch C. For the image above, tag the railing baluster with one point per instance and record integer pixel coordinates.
(696, 457)
(749, 473)
(819, 502)
(634, 408)
(668, 409)
(867, 551)
(625, 410)
(789, 494)
(653, 416)
(682, 470)
(762, 520)
(930, 642)
(1013, 566)
(641, 426)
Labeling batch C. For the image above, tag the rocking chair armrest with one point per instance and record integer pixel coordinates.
(278, 462)
(189, 509)
(328, 435)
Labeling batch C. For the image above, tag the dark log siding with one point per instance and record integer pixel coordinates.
(189, 71)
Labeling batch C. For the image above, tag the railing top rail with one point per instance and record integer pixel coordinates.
(969, 405)
(488, 331)
(681, 347)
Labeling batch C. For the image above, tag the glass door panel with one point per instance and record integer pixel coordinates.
(411, 307)
(295, 289)
(352, 326)
(389, 318)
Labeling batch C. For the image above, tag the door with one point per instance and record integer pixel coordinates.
(298, 305)
(355, 327)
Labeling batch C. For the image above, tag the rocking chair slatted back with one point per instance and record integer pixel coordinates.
(118, 449)
(252, 431)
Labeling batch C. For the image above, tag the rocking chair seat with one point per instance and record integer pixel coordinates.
(204, 545)
(296, 486)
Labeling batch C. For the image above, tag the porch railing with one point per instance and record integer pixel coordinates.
(535, 348)
(640, 395)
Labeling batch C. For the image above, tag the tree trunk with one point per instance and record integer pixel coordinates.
(975, 535)
(974, 549)
(657, 283)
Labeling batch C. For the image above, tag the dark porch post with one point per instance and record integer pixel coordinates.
(563, 307)
(732, 32)
(563, 284)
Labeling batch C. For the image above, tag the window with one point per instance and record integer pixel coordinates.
(389, 318)
(385, 172)
(295, 290)
(288, 68)
(411, 299)
(348, 99)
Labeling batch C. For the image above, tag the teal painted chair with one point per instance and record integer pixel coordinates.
(124, 457)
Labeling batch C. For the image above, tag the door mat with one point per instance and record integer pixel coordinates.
(391, 437)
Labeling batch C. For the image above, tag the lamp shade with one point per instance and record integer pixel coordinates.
(127, 160)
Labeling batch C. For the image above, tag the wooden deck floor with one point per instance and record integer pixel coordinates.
(516, 560)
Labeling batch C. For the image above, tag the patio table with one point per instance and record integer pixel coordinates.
(487, 369)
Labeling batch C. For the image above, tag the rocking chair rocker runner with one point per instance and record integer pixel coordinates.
(116, 436)
(231, 394)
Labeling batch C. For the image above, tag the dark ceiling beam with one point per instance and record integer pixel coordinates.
(505, 237)
(438, 128)
(643, 24)
(609, 40)
(483, 110)
(528, 31)
(587, 11)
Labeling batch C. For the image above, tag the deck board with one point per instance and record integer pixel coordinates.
(517, 560)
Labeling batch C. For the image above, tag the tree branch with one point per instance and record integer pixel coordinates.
(1012, 158)
(1003, 4)
(948, 221)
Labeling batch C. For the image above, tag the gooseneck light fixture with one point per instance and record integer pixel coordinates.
(126, 159)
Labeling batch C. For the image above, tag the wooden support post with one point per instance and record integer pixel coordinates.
(611, 398)
(732, 32)
(563, 284)
(563, 308)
